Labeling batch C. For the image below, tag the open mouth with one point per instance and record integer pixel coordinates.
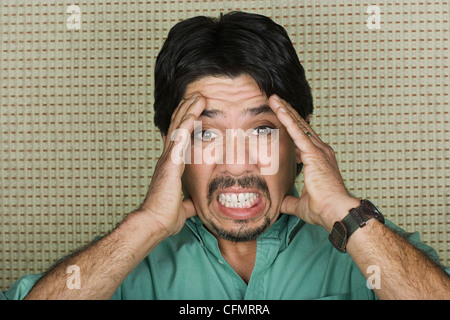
(240, 205)
(238, 200)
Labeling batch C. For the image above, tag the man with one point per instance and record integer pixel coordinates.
(238, 233)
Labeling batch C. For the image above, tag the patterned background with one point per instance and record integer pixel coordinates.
(78, 145)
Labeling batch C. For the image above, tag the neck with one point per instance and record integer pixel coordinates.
(240, 255)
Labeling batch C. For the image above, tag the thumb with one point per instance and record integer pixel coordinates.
(290, 204)
(189, 208)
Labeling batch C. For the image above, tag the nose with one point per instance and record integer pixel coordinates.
(240, 158)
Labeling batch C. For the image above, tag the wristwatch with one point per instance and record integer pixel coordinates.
(357, 218)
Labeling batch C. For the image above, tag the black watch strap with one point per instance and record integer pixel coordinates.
(357, 218)
(338, 236)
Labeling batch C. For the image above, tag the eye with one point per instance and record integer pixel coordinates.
(205, 135)
(262, 131)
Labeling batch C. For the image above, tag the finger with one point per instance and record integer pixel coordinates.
(284, 107)
(312, 135)
(180, 140)
(303, 124)
(298, 135)
(184, 103)
(305, 128)
(189, 114)
(192, 114)
(180, 111)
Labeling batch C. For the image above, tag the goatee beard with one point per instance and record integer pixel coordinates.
(242, 232)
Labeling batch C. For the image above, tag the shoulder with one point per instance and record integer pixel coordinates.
(160, 267)
(21, 287)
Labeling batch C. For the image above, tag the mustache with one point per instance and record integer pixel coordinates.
(254, 182)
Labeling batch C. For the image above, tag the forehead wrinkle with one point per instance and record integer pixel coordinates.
(232, 97)
(226, 96)
(225, 91)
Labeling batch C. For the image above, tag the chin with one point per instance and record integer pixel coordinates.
(242, 230)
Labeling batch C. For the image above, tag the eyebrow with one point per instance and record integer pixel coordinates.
(263, 109)
(212, 113)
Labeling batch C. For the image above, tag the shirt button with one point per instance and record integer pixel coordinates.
(220, 261)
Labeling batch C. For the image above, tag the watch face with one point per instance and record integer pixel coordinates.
(369, 210)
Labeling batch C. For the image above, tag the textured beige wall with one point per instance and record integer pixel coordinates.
(77, 142)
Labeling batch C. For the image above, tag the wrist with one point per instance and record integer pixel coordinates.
(339, 212)
(142, 232)
(356, 219)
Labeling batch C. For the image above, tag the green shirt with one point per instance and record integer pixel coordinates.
(294, 260)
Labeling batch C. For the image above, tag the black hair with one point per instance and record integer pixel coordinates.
(236, 43)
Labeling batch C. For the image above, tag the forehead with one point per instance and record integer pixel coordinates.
(224, 91)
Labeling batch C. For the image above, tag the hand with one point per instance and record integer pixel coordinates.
(164, 201)
(324, 198)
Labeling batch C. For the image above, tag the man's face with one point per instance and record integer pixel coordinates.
(235, 199)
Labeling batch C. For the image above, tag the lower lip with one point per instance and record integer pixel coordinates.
(242, 213)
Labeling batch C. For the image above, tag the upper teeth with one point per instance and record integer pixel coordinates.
(238, 200)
